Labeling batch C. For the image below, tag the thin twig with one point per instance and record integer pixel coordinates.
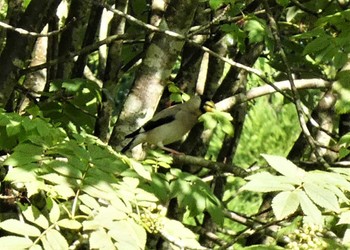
(215, 20)
(304, 8)
(34, 34)
(152, 28)
(217, 167)
(70, 55)
(295, 93)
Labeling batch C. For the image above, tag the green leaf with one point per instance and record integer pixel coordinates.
(128, 234)
(209, 120)
(215, 212)
(339, 193)
(99, 239)
(86, 210)
(283, 3)
(25, 173)
(70, 224)
(63, 191)
(343, 152)
(344, 218)
(309, 208)
(23, 154)
(285, 204)
(318, 44)
(13, 128)
(179, 233)
(65, 169)
(285, 167)
(89, 201)
(19, 227)
(256, 30)
(345, 139)
(32, 214)
(54, 240)
(263, 247)
(214, 4)
(327, 179)
(266, 182)
(321, 196)
(346, 237)
(54, 209)
(15, 242)
(140, 170)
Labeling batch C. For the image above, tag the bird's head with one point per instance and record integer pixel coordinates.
(207, 105)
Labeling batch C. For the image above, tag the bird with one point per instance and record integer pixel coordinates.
(170, 124)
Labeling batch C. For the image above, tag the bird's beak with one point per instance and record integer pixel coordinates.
(209, 106)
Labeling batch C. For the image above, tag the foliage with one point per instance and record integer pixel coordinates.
(72, 104)
(316, 192)
(258, 137)
(77, 187)
(73, 191)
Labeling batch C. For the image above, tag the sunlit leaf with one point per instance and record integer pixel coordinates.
(285, 204)
(266, 182)
(309, 208)
(321, 196)
(99, 239)
(54, 209)
(24, 173)
(32, 214)
(256, 30)
(89, 201)
(215, 212)
(140, 169)
(285, 167)
(264, 247)
(53, 239)
(70, 224)
(128, 235)
(175, 230)
(344, 218)
(19, 227)
(63, 191)
(15, 242)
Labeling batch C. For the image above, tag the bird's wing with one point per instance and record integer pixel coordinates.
(163, 117)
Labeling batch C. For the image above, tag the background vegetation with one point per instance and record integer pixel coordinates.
(268, 170)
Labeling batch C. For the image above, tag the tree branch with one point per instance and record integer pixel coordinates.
(185, 38)
(34, 34)
(312, 83)
(85, 50)
(218, 167)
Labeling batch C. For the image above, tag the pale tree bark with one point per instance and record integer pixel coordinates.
(19, 47)
(89, 38)
(192, 57)
(72, 38)
(113, 65)
(156, 67)
(35, 82)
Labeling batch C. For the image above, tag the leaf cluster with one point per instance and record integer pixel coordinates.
(315, 192)
(81, 192)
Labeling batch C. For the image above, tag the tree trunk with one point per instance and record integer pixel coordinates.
(72, 38)
(19, 47)
(156, 67)
(113, 65)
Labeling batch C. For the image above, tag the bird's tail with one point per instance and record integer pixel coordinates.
(127, 147)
